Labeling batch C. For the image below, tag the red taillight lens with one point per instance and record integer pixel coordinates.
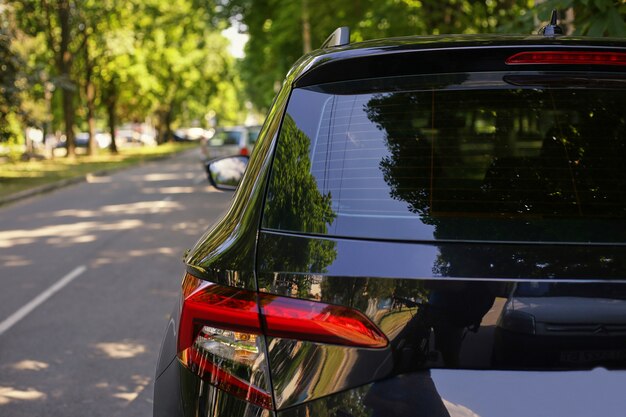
(568, 57)
(309, 320)
(244, 151)
(221, 338)
(205, 303)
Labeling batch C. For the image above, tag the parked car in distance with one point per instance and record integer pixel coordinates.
(427, 227)
(190, 134)
(238, 140)
(103, 140)
(136, 134)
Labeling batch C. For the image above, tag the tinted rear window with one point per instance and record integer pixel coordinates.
(504, 157)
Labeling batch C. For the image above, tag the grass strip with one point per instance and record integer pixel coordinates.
(20, 176)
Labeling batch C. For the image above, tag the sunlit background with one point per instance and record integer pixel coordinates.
(103, 73)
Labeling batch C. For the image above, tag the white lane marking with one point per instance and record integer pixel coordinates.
(40, 299)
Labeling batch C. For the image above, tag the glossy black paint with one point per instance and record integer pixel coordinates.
(290, 253)
(168, 382)
(196, 397)
(459, 393)
(303, 370)
(448, 305)
(396, 57)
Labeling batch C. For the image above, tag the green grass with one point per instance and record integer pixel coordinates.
(20, 176)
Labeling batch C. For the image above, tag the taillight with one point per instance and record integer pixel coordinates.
(568, 57)
(220, 340)
(244, 151)
(221, 335)
(292, 318)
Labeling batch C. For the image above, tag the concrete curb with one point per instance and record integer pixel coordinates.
(76, 180)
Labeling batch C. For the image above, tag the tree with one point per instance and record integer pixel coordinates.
(282, 30)
(187, 60)
(578, 17)
(9, 74)
(58, 21)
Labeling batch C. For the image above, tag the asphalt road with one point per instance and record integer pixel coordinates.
(88, 277)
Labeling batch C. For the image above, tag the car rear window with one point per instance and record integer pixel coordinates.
(225, 137)
(479, 156)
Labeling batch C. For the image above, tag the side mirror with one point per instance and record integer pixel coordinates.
(226, 173)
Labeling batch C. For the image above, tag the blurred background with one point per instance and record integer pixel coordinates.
(90, 272)
(100, 74)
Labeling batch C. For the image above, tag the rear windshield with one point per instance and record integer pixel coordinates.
(484, 156)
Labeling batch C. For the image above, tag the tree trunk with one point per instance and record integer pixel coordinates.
(168, 126)
(110, 98)
(164, 124)
(90, 95)
(68, 118)
(306, 27)
(64, 63)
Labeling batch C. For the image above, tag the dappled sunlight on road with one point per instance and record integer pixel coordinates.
(193, 228)
(127, 392)
(142, 207)
(97, 179)
(168, 190)
(121, 350)
(14, 261)
(10, 394)
(131, 393)
(64, 241)
(63, 233)
(110, 257)
(165, 177)
(102, 331)
(29, 365)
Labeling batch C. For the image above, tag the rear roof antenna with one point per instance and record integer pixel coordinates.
(340, 37)
(552, 28)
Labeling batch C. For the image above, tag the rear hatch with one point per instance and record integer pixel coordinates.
(475, 215)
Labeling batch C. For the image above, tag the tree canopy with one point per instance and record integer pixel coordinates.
(282, 30)
(106, 62)
(70, 65)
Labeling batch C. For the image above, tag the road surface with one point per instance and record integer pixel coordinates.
(88, 276)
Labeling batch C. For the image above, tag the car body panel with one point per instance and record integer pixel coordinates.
(461, 393)
(433, 316)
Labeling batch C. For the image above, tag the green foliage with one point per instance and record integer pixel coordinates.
(580, 17)
(276, 28)
(163, 60)
(10, 64)
(298, 205)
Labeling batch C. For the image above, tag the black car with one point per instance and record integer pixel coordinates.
(404, 200)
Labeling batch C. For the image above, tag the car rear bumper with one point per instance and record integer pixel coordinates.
(459, 393)
(435, 393)
(180, 393)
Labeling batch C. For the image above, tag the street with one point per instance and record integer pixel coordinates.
(88, 276)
